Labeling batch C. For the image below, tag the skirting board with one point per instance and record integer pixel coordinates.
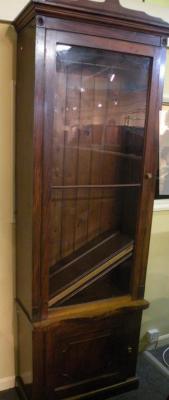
(7, 383)
(163, 340)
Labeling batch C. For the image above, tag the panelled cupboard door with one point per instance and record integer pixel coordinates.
(97, 127)
(82, 356)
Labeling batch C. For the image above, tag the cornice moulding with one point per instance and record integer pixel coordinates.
(75, 10)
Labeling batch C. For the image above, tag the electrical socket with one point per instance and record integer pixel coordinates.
(153, 335)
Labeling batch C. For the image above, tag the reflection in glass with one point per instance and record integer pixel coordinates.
(98, 139)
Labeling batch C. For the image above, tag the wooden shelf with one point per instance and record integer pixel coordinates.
(111, 306)
(118, 185)
(114, 283)
(106, 149)
(74, 274)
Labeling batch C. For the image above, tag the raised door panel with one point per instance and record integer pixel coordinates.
(87, 355)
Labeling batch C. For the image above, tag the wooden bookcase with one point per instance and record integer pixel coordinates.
(89, 89)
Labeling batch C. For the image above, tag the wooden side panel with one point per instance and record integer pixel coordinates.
(24, 165)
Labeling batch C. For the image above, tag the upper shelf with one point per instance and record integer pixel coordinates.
(76, 187)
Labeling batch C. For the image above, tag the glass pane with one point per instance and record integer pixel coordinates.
(98, 140)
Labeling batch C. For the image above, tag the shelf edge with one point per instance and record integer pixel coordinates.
(123, 304)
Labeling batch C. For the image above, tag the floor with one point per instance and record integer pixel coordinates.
(153, 385)
(158, 353)
(8, 395)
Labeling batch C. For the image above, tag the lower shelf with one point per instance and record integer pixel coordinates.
(115, 283)
(80, 272)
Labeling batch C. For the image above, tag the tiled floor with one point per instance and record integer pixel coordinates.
(153, 385)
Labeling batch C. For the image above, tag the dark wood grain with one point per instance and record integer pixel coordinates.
(66, 375)
(102, 30)
(86, 145)
(39, 284)
(119, 16)
(24, 166)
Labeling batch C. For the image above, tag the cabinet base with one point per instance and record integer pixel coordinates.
(105, 393)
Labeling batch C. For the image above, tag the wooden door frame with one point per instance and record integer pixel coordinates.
(48, 60)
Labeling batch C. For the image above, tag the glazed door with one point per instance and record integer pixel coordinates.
(96, 97)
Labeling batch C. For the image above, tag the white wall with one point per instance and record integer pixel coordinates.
(157, 283)
(7, 74)
(157, 8)
(11, 8)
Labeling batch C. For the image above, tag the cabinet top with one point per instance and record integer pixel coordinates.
(103, 11)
